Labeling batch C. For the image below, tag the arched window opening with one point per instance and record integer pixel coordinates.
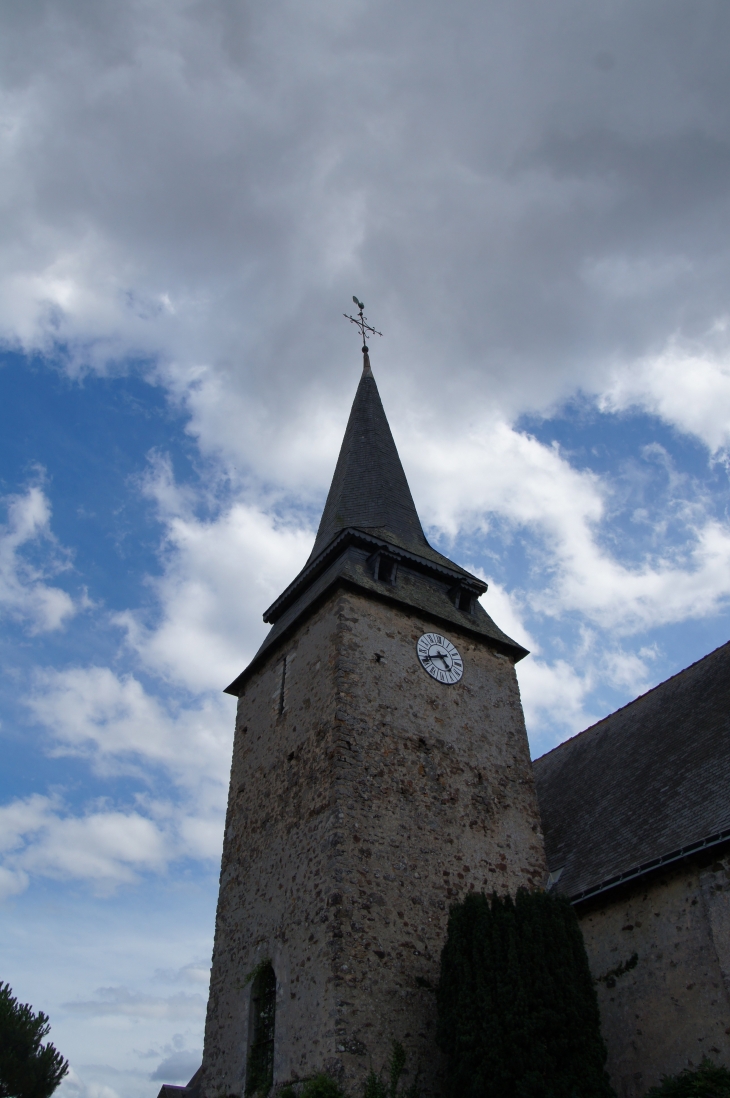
(260, 1068)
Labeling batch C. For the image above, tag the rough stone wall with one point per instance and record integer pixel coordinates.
(356, 816)
(672, 1007)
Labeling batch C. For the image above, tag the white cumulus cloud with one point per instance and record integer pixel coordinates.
(29, 557)
(105, 848)
(498, 474)
(688, 386)
(219, 576)
(112, 720)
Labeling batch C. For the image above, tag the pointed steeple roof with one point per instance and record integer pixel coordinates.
(370, 540)
(369, 490)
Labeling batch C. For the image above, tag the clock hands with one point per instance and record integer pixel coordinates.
(439, 658)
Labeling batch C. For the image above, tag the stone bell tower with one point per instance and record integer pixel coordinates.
(380, 771)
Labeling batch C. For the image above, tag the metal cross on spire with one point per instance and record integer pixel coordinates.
(362, 323)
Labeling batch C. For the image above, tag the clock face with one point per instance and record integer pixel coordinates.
(440, 658)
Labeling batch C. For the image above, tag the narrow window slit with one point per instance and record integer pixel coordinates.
(283, 687)
(260, 1067)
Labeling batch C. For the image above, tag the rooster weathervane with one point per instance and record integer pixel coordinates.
(361, 322)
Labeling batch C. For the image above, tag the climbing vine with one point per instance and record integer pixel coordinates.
(609, 978)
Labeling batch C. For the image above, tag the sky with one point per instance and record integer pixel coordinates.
(532, 200)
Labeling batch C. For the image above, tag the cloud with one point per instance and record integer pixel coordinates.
(177, 751)
(112, 720)
(556, 692)
(12, 882)
(554, 697)
(178, 754)
(498, 475)
(179, 1067)
(108, 847)
(553, 693)
(219, 576)
(74, 1086)
(25, 594)
(493, 481)
(120, 1001)
(196, 972)
(206, 186)
(686, 386)
(24, 817)
(688, 581)
(105, 848)
(199, 191)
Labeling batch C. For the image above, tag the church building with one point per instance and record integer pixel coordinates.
(636, 815)
(380, 771)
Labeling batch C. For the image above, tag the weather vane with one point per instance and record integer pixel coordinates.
(362, 323)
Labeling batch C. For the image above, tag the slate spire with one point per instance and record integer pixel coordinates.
(370, 540)
(369, 489)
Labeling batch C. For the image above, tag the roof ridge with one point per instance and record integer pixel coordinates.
(639, 697)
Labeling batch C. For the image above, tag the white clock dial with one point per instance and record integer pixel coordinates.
(440, 658)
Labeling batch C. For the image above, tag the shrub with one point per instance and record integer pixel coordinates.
(376, 1088)
(707, 1081)
(518, 1014)
(322, 1086)
(28, 1068)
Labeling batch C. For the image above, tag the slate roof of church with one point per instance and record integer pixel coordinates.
(643, 787)
(370, 509)
(190, 1090)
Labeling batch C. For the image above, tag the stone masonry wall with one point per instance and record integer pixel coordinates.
(357, 814)
(670, 1007)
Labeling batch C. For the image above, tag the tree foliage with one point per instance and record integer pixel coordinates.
(28, 1068)
(518, 1014)
(707, 1081)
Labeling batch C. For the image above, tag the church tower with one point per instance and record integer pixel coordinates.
(380, 772)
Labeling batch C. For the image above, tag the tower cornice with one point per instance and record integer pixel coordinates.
(353, 536)
(415, 586)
